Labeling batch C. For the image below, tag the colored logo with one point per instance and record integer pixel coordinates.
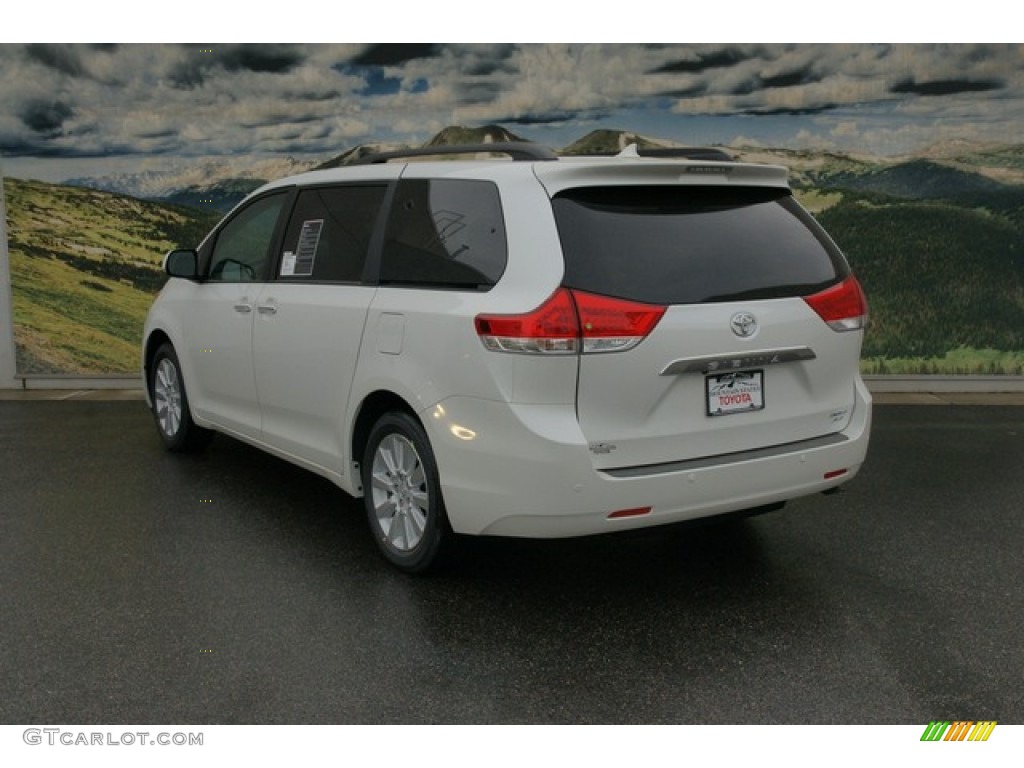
(959, 730)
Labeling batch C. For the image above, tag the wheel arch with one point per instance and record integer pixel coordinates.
(373, 406)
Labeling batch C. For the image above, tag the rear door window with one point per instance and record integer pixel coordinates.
(689, 245)
(328, 234)
(445, 233)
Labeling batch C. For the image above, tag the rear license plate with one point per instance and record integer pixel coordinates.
(739, 392)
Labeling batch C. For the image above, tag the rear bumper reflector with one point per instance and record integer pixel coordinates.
(636, 512)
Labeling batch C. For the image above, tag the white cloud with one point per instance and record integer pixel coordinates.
(176, 99)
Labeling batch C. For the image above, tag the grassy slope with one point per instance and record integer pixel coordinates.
(960, 361)
(945, 278)
(945, 284)
(85, 266)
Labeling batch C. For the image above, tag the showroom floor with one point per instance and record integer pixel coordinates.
(142, 587)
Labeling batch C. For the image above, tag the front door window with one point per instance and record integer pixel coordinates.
(242, 251)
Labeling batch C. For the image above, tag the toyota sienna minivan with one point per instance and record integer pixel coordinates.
(521, 345)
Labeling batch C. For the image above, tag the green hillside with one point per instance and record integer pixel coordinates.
(915, 180)
(85, 266)
(937, 241)
(941, 279)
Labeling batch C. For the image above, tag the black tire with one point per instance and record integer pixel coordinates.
(402, 495)
(170, 404)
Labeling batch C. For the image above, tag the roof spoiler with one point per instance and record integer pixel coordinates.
(682, 153)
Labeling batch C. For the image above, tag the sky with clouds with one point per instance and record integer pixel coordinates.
(73, 109)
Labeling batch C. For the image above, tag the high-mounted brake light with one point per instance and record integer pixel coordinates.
(570, 322)
(842, 306)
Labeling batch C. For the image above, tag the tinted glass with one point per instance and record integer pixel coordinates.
(445, 233)
(328, 235)
(687, 245)
(241, 253)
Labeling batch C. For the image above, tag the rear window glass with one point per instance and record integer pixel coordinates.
(688, 245)
(445, 233)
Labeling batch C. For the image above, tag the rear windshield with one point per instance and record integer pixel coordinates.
(689, 245)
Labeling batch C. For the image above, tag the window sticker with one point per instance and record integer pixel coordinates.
(288, 264)
(305, 252)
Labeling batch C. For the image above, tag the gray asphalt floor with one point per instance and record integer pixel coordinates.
(138, 586)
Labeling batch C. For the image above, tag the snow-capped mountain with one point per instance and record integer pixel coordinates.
(163, 184)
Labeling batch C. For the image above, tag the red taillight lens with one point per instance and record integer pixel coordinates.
(842, 306)
(552, 328)
(560, 324)
(612, 325)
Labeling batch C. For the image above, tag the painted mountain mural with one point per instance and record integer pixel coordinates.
(937, 240)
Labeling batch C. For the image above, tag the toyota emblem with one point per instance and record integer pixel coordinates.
(743, 324)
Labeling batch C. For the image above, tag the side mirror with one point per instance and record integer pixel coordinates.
(183, 263)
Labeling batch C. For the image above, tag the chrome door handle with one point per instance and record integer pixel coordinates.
(267, 309)
(243, 308)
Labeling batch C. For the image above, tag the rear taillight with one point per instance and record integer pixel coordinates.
(613, 325)
(552, 328)
(570, 322)
(842, 306)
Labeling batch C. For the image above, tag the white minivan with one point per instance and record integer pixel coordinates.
(524, 345)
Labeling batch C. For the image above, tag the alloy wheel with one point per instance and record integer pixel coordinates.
(167, 397)
(401, 500)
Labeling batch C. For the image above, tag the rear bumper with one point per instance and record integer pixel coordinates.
(525, 470)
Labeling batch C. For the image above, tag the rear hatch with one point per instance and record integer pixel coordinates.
(756, 320)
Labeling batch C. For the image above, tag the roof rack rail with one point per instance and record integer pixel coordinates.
(517, 150)
(684, 153)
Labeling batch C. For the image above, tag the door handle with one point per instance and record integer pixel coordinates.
(243, 308)
(267, 309)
